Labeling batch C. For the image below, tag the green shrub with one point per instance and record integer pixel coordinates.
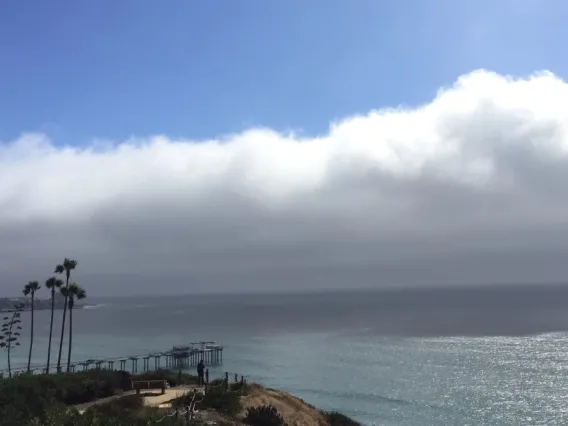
(121, 408)
(66, 416)
(216, 383)
(218, 399)
(60, 415)
(265, 415)
(337, 419)
(12, 416)
(30, 396)
(173, 378)
(183, 401)
(234, 387)
(44, 400)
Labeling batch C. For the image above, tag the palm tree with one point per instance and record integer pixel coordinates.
(66, 267)
(72, 293)
(30, 290)
(52, 284)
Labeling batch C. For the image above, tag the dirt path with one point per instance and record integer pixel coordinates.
(151, 399)
(155, 400)
(83, 407)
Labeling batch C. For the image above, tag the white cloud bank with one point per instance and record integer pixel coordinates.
(471, 187)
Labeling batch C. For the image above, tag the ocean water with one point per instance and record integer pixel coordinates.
(493, 356)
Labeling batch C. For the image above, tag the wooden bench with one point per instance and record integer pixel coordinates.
(149, 384)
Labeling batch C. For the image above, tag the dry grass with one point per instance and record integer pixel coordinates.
(294, 411)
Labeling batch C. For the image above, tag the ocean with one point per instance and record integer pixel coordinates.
(473, 356)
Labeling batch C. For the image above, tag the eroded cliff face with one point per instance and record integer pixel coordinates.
(294, 411)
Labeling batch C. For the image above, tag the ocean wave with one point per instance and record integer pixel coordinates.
(97, 306)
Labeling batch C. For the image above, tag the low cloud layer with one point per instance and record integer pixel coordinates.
(471, 188)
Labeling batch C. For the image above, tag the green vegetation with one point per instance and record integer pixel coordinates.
(125, 409)
(337, 419)
(216, 398)
(48, 400)
(25, 396)
(224, 402)
(112, 414)
(237, 386)
(11, 333)
(173, 378)
(265, 415)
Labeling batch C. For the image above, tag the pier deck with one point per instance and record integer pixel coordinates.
(177, 358)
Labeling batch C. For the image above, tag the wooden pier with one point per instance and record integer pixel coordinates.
(177, 358)
(186, 356)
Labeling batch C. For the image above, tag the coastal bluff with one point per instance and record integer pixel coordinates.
(294, 411)
(8, 303)
(97, 397)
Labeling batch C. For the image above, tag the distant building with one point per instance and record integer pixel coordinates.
(7, 303)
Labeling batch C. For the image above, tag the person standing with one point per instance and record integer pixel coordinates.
(200, 373)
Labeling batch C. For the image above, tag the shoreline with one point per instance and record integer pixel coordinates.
(27, 309)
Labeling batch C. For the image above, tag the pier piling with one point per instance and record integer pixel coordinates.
(177, 358)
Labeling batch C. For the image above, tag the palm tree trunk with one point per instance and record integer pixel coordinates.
(9, 348)
(9, 364)
(50, 331)
(70, 337)
(31, 336)
(62, 327)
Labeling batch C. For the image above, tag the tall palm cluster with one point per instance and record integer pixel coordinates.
(71, 292)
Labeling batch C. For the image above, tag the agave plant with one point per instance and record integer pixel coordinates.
(264, 415)
(10, 333)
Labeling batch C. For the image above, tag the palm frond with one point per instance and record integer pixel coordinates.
(81, 294)
(69, 264)
(53, 283)
(76, 291)
(34, 286)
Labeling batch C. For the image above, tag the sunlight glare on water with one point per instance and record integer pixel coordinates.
(348, 365)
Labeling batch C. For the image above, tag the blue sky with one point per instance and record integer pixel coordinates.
(111, 69)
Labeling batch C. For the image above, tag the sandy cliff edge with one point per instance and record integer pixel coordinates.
(294, 411)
